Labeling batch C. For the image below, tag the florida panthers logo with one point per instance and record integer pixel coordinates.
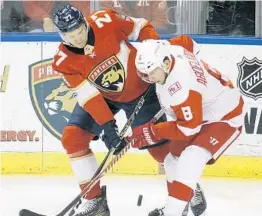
(113, 78)
(52, 100)
(60, 101)
(109, 76)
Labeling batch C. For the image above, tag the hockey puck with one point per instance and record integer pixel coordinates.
(139, 200)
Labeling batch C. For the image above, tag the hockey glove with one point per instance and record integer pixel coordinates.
(111, 137)
(144, 135)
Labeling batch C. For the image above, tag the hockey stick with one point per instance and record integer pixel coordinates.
(124, 130)
(99, 173)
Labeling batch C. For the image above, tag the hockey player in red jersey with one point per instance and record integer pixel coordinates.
(203, 123)
(98, 63)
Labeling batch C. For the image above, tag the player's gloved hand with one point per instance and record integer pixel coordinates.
(144, 135)
(111, 137)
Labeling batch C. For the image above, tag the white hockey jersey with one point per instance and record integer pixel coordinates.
(195, 94)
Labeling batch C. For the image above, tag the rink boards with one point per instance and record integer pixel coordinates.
(35, 107)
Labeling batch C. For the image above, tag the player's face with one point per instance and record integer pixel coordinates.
(78, 37)
(157, 76)
(167, 64)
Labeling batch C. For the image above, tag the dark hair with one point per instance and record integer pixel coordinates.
(166, 58)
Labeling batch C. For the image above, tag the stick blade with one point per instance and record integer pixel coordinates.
(26, 212)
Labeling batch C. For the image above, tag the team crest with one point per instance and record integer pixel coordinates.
(109, 76)
(250, 77)
(53, 102)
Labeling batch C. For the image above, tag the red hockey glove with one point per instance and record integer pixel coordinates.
(144, 135)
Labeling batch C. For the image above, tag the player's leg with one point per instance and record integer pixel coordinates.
(158, 151)
(170, 166)
(77, 135)
(198, 202)
(183, 180)
(201, 150)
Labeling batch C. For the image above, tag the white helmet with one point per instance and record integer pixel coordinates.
(150, 55)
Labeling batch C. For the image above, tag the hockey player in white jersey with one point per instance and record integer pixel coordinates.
(206, 114)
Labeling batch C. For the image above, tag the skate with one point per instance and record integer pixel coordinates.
(95, 207)
(157, 212)
(198, 202)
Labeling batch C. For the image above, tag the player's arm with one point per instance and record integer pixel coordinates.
(189, 119)
(186, 42)
(37, 10)
(186, 103)
(159, 10)
(132, 28)
(88, 96)
(187, 125)
(93, 102)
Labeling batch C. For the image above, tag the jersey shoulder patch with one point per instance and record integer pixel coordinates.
(178, 83)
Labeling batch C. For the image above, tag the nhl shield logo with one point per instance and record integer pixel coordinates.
(250, 77)
(109, 75)
(53, 102)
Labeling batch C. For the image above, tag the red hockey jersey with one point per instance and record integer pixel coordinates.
(108, 67)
